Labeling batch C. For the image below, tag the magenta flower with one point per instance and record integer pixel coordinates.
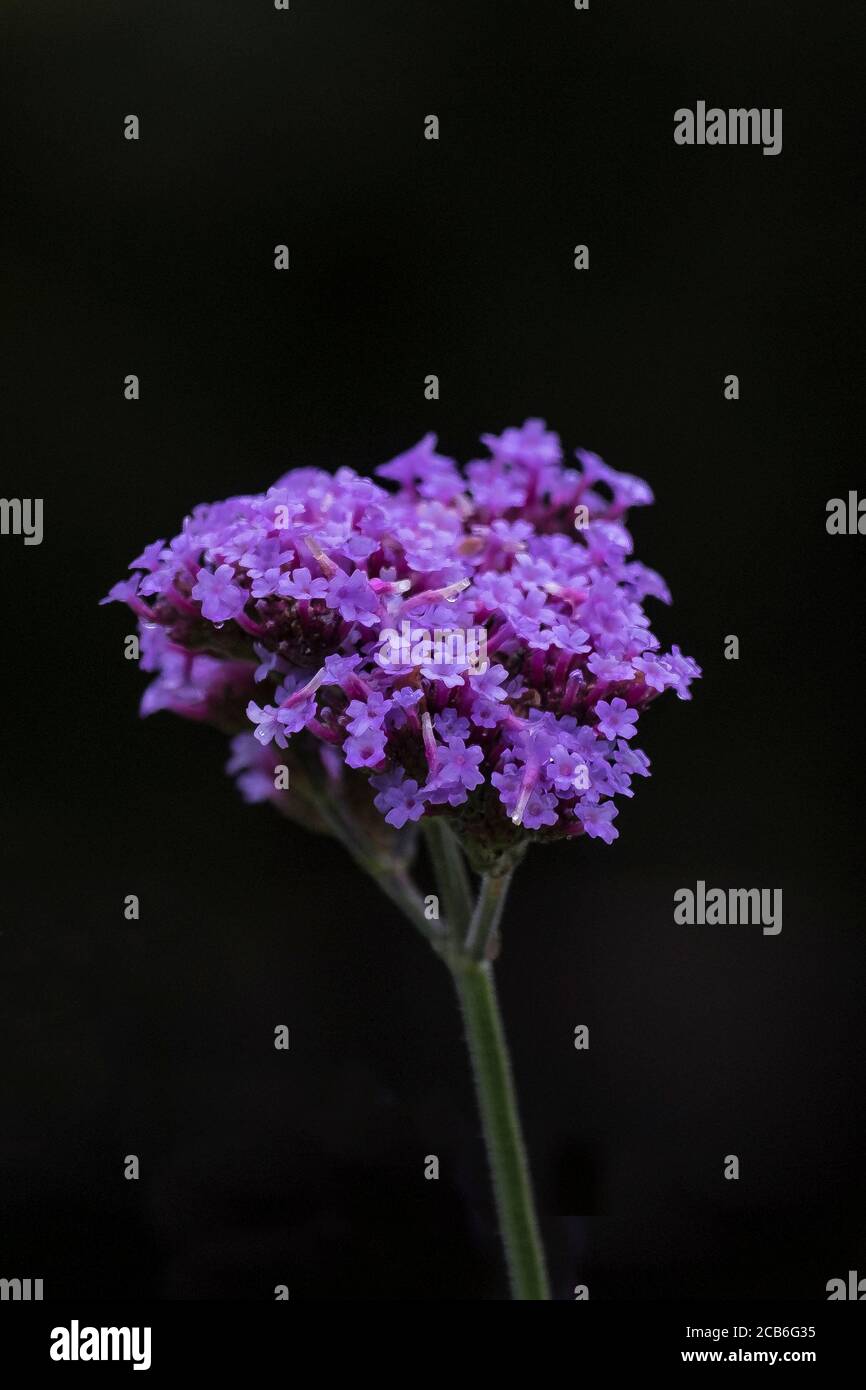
(270, 724)
(441, 645)
(365, 750)
(301, 585)
(221, 598)
(615, 719)
(459, 764)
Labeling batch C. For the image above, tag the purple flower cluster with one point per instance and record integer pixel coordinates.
(275, 616)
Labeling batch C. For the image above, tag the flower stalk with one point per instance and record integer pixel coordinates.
(472, 931)
(452, 878)
(484, 925)
(463, 942)
(503, 1137)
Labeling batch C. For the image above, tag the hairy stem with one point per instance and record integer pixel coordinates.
(488, 913)
(469, 938)
(494, 1085)
(452, 877)
(463, 942)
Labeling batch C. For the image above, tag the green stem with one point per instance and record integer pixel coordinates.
(488, 912)
(502, 1133)
(491, 1067)
(452, 879)
(462, 943)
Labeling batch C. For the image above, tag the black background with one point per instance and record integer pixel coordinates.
(410, 257)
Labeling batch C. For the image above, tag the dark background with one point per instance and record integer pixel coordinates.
(410, 257)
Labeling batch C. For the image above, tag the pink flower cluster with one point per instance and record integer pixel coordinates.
(275, 617)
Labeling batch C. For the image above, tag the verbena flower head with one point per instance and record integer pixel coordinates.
(463, 643)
